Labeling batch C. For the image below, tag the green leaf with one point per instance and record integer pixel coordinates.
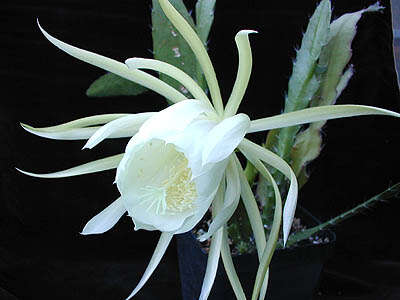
(391, 192)
(395, 8)
(110, 85)
(169, 45)
(204, 18)
(303, 84)
(333, 60)
(306, 148)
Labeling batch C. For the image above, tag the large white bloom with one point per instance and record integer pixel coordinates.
(181, 160)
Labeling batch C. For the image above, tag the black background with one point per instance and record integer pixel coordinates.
(42, 255)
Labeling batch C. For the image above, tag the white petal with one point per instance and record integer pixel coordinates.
(118, 68)
(161, 247)
(207, 185)
(191, 142)
(139, 225)
(106, 219)
(231, 200)
(165, 223)
(224, 138)
(243, 73)
(130, 123)
(99, 165)
(315, 114)
(169, 122)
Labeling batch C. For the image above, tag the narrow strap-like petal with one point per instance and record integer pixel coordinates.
(118, 68)
(243, 73)
(66, 134)
(215, 249)
(252, 210)
(75, 130)
(106, 219)
(261, 278)
(231, 200)
(161, 247)
(130, 123)
(315, 114)
(278, 163)
(170, 70)
(85, 122)
(222, 140)
(99, 165)
(199, 50)
(230, 268)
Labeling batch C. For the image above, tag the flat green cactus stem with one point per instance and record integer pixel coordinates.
(390, 193)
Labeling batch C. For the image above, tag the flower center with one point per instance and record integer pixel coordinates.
(180, 189)
(174, 192)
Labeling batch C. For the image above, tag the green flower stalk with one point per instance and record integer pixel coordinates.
(181, 161)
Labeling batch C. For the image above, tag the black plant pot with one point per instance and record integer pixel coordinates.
(294, 272)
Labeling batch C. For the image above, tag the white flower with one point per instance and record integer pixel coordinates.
(180, 161)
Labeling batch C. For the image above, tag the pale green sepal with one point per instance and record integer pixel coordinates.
(109, 85)
(264, 286)
(118, 68)
(199, 50)
(99, 165)
(106, 219)
(252, 210)
(230, 268)
(215, 248)
(278, 163)
(204, 18)
(231, 200)
(82, 122)
(74, 130)
(315, 114)
(130, 123)
(172, 71)
(222, 140)
(161, 247)
(261, 280)
(253, 213)
(243, 73)
(67, 134)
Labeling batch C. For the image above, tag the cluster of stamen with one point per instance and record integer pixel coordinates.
(176, 193)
